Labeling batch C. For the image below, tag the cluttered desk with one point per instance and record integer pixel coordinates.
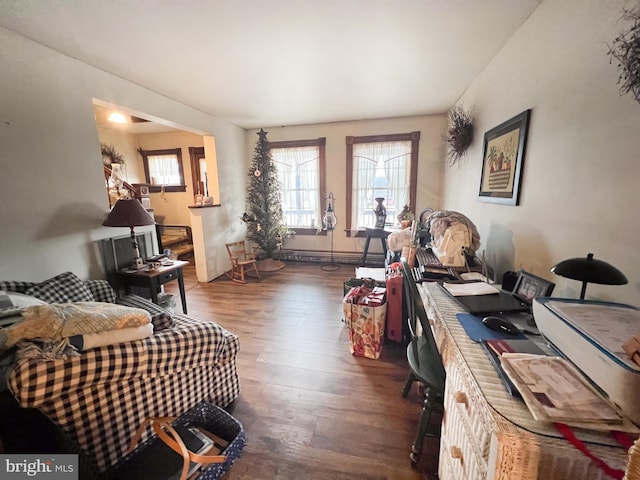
(490, 433)
(530, 392)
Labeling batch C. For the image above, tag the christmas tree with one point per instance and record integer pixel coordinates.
(264, 217)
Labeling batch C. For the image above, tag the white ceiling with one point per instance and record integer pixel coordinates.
(262, 63)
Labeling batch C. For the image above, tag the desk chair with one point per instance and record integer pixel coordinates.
(242, 261)
(424, 360)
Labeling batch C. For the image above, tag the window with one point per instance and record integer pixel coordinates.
(198, 170)
(383, 166)
(163, 169)
(301, 165)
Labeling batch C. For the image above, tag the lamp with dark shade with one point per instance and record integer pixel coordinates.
(589, 270)
(130, 213)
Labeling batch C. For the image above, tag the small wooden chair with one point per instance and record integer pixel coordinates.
(242, 261)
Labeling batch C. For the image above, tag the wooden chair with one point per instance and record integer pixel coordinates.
(424, 360)
(242, 261)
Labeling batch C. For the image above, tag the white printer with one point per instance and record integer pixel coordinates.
(590, 334)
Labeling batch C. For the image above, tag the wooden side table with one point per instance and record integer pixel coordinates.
(152, 280)
(380, 233)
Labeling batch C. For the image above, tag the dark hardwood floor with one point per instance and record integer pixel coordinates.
(310, 409)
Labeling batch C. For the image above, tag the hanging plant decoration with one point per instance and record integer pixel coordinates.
(459, 134)
(110, 155)
(626, 51)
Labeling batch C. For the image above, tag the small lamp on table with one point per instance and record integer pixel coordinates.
(130, 213)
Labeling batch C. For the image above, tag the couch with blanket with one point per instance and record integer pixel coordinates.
(100, 395)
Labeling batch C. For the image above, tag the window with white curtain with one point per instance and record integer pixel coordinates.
(163, 169)
(381, 166)
(300, 165)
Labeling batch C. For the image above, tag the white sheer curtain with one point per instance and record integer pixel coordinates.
(380, 169)
(298, 174)
(164, 169)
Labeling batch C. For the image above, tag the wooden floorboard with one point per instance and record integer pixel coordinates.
(310, 409)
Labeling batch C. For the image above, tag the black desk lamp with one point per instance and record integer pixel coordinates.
(589, 270)
(129, 213)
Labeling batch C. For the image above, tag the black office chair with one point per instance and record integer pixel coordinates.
(424, 361)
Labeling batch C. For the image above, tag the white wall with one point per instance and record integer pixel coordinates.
(581, 168)
(52, 184)
(431, 130)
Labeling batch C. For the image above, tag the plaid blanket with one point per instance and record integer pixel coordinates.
(101, 396)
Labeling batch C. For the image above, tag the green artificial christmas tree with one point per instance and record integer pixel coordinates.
(264, 217)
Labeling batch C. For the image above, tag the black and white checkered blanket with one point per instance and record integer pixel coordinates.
(101, 396)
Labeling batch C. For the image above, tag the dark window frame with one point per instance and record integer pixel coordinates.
(154, 188)
(414, 137)
(321, 143)
(195, 154)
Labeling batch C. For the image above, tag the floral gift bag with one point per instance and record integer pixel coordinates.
(365, 310)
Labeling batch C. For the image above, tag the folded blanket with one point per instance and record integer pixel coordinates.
(56, 321)
(109, 337)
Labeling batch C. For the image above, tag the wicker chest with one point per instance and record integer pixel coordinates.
(486, 433)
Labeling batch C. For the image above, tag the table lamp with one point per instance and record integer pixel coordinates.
(589, 270)
(130, 213)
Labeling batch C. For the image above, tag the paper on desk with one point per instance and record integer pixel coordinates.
(471, 288)
(555, 391)
(377, 274)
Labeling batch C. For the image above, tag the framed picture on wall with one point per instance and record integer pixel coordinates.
(502, 160)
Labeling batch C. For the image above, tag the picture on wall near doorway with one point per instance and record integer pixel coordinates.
(502, 161)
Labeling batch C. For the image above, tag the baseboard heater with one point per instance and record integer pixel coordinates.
(321, 256)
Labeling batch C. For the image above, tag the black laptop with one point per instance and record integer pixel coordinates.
(500, 302)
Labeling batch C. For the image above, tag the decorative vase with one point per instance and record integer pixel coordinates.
(381, 212)
(405, 217)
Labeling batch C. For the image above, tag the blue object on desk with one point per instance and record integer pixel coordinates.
(477, 331)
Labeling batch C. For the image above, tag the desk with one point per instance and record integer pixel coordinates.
(380, 233)
(152, 280)
(486, 433)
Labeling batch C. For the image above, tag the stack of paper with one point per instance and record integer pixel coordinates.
(377, 274)
(555, 391)
(470, 288)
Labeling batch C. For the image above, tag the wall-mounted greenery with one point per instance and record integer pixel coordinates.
(110, 154)
(626, 51)
(459, 134)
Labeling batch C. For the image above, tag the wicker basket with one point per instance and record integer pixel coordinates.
(206, 416)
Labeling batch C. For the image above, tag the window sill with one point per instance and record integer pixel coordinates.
(307, 231)
(167, 188)
(363, 233)
(204, 206)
